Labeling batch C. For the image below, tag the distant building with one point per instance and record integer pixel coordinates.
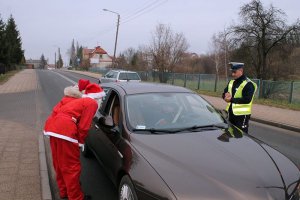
(98, 57)
(33, 64)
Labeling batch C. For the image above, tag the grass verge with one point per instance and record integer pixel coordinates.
(5, 77)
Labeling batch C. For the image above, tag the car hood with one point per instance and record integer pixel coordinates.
(218, 165)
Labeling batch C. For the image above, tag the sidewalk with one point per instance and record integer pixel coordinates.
(283, 118)
(23, 171)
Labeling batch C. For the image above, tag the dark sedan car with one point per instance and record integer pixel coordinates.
(162, 142)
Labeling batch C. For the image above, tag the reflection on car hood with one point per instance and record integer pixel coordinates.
(202, 164)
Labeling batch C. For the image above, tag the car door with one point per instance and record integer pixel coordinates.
(105, 140)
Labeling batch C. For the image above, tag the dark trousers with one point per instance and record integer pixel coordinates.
(240, 121)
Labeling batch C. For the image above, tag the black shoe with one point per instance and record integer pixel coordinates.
(87, 197)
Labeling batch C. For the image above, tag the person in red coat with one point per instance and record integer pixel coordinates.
(67, 130)
(70, 93)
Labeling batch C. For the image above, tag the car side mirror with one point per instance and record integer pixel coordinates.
(106, 121)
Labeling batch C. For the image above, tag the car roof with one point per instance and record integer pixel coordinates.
(144, 87)
(115, 70)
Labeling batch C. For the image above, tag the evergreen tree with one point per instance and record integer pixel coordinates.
(3, 56)
(14, 47)
(79, 54)
(60, 62)
(72, 54)
(43, 62)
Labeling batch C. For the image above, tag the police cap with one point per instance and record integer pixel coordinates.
(236, 65)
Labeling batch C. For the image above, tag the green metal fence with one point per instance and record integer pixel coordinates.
(288, 91)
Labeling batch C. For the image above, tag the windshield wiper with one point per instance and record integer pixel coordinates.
(203, 127)
(191, 128)
(154, 131)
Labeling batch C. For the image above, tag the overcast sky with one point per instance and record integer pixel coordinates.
(45, 25)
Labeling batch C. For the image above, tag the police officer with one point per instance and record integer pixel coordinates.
(239, 95)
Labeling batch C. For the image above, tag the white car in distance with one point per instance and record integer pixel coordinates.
(120, 76)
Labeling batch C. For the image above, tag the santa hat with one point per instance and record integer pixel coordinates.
(82, 83)
(94, 91)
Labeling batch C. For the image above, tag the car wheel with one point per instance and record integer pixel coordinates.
(126, 189)
(86, 151)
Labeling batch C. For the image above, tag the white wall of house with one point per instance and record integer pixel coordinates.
(101, 61)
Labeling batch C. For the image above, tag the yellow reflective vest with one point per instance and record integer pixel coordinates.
(240, 109)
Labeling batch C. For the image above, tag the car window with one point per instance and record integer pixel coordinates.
(107, 75)
(106, 90)
(111, 74)
(169, 110)
(122, 76)
(133, 76)
(115, 110)
(129, 76)
(100, 102)
(114, 74)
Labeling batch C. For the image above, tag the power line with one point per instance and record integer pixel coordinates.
(149, 6)
(146, 10)
(128, 13)
(137, 11)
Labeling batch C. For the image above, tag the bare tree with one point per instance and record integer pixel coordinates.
(133, 59)
(217, 44)
(166, 49)
(260, 31)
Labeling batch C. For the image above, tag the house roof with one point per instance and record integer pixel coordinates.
(99, 50)
(91, 52)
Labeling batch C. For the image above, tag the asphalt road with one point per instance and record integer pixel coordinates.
(95, 182)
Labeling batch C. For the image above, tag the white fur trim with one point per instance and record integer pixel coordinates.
(57, 135)
(95, 95)
(72, 91)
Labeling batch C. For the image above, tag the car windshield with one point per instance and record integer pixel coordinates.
(111, 74)
(129, 76)
(169, 111)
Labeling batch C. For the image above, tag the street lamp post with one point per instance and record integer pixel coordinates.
(55, 65)
(116, 40)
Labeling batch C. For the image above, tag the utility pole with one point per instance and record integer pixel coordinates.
(55, 60)
(116, 40)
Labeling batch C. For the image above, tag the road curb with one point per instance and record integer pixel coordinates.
(276, 124)
(46, 191)
(44, 172)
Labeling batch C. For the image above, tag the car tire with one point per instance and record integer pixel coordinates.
(86, 151)
(126, 189)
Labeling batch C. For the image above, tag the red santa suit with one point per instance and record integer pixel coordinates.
(67, 127)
